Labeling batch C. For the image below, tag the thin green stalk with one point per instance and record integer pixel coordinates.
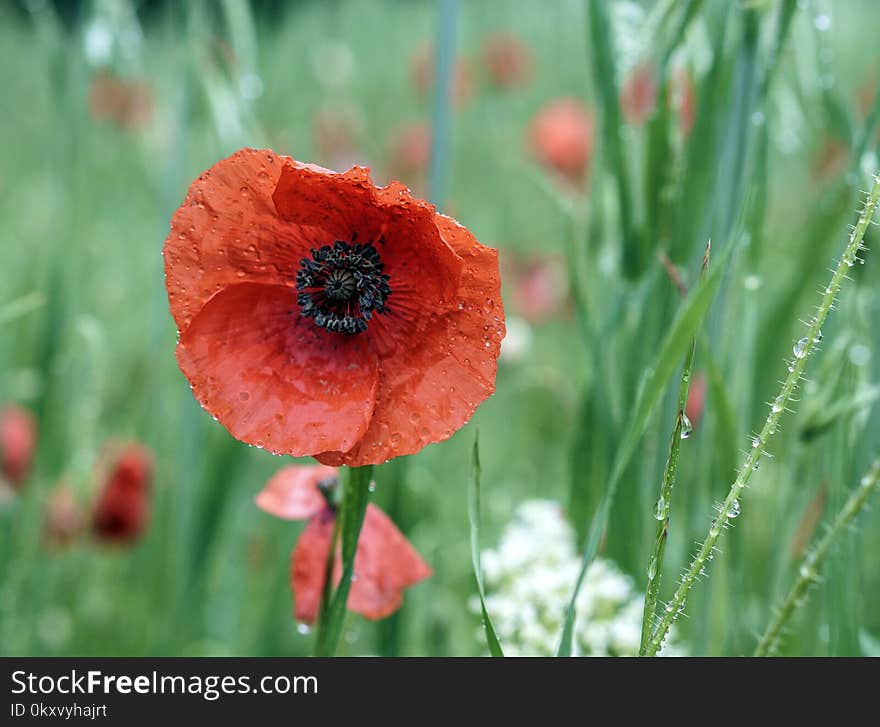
(808, 574)
(474, 518)
(664, 502)
(604, 73)
(802, 350)
(355, 496)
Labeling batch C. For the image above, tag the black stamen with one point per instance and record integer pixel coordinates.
(342, 286)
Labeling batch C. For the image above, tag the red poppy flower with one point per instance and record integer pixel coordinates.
(423, 75)
(639, 95)
(508, 60)
(561, 137)
(18, 439)
(128, 104)
(122, 508)
(322, 315)
(384, 564)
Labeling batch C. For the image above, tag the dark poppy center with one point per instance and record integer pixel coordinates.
(342, 286)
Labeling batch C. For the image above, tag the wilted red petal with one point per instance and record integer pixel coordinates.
(426, 392)
(18, 440)
(122, 508)
(293, 493)
(308, 565)
(385, 564)
(227, 232)
(272, 378)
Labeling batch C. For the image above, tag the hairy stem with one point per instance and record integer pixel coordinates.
(803, 348)
(664, 502)
(808, 574)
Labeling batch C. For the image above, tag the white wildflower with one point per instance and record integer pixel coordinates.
(529, 578)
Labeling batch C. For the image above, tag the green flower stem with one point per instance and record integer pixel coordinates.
(352, 508)
(808, 574)
(664, 502)
(803, 348)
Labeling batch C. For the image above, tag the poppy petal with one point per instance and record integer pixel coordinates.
(429, 390)
(385, 564)
(272, 378)
(308, 565)
(292, 492)
(227, 232)
(424, 270)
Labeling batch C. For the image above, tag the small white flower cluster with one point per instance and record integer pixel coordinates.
(529, 578)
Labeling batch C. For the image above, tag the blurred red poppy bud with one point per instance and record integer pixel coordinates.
(18, 440)
(561, 137)
(122, 508)
(509, 62)
(696, 401)
(126, 103)
(639, 95)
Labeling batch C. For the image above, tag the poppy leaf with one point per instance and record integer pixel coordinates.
(474, 518)
(654, 382)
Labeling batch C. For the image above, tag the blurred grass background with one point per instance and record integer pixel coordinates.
(84, 208)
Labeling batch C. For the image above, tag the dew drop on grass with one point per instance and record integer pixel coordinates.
(756, 442)
(660, 509)
(372, 487)
(686, 426)
(800, 348)
(652, 569)
(304, 629)
(778, 404)
(734, 509)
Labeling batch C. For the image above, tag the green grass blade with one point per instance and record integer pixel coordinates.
(603, 67)
(653, 384)
(474, 518)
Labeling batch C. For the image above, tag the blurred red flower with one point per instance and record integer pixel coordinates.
(540, 286)
(126, 103)
(561, 137)
(696, 400)
(423, 75)
(409, 153)
(384, 564)
(63, 517)
(684, 101)
(322, 315)
(122, 506)
(508, 60)
(18, 440)
(638, 97)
